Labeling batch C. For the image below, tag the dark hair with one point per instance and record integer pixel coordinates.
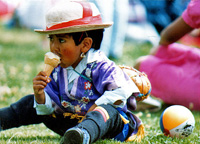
(96, 35)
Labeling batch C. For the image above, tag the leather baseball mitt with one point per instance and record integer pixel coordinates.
(141, 81)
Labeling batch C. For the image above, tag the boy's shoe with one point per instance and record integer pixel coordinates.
(75, 135)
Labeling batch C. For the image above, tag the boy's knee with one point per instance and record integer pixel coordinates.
(105, 111)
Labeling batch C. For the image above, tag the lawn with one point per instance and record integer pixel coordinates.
(21, 58)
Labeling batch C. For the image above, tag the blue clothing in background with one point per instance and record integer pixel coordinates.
(162, 12)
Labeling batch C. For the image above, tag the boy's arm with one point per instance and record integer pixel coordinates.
(113, 83)
(44, 109)
(42, 102)
(117, 97)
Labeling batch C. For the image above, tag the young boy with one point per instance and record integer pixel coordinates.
(85, 97)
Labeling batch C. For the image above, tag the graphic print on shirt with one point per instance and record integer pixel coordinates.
(88, 92)
(66, 104)
(83, 102)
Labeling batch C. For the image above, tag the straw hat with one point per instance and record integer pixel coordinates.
(69, 17)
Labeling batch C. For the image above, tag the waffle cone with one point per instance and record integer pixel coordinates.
(48, 69)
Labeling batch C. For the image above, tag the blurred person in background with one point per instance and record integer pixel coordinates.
(114, 37)
(147, 19)
(173, 68)
(140, 30)
(6, 11)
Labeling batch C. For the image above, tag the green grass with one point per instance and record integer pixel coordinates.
(21, 58)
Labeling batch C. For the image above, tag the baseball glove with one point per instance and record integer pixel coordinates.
(141, 81)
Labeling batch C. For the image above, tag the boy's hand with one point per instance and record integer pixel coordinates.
(39, 83)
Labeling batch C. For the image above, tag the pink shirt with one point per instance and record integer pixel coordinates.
(192, 14)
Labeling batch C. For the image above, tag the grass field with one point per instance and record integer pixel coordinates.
(21, 58)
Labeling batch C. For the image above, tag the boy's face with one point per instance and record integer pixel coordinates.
(64, 46)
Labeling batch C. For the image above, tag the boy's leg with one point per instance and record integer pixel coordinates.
(19, 113)
(103, 122)
(22, 113)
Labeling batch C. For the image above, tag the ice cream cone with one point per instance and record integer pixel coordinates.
(48, 69)
(51, 61)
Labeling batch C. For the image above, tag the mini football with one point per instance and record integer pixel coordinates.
(177, 121)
